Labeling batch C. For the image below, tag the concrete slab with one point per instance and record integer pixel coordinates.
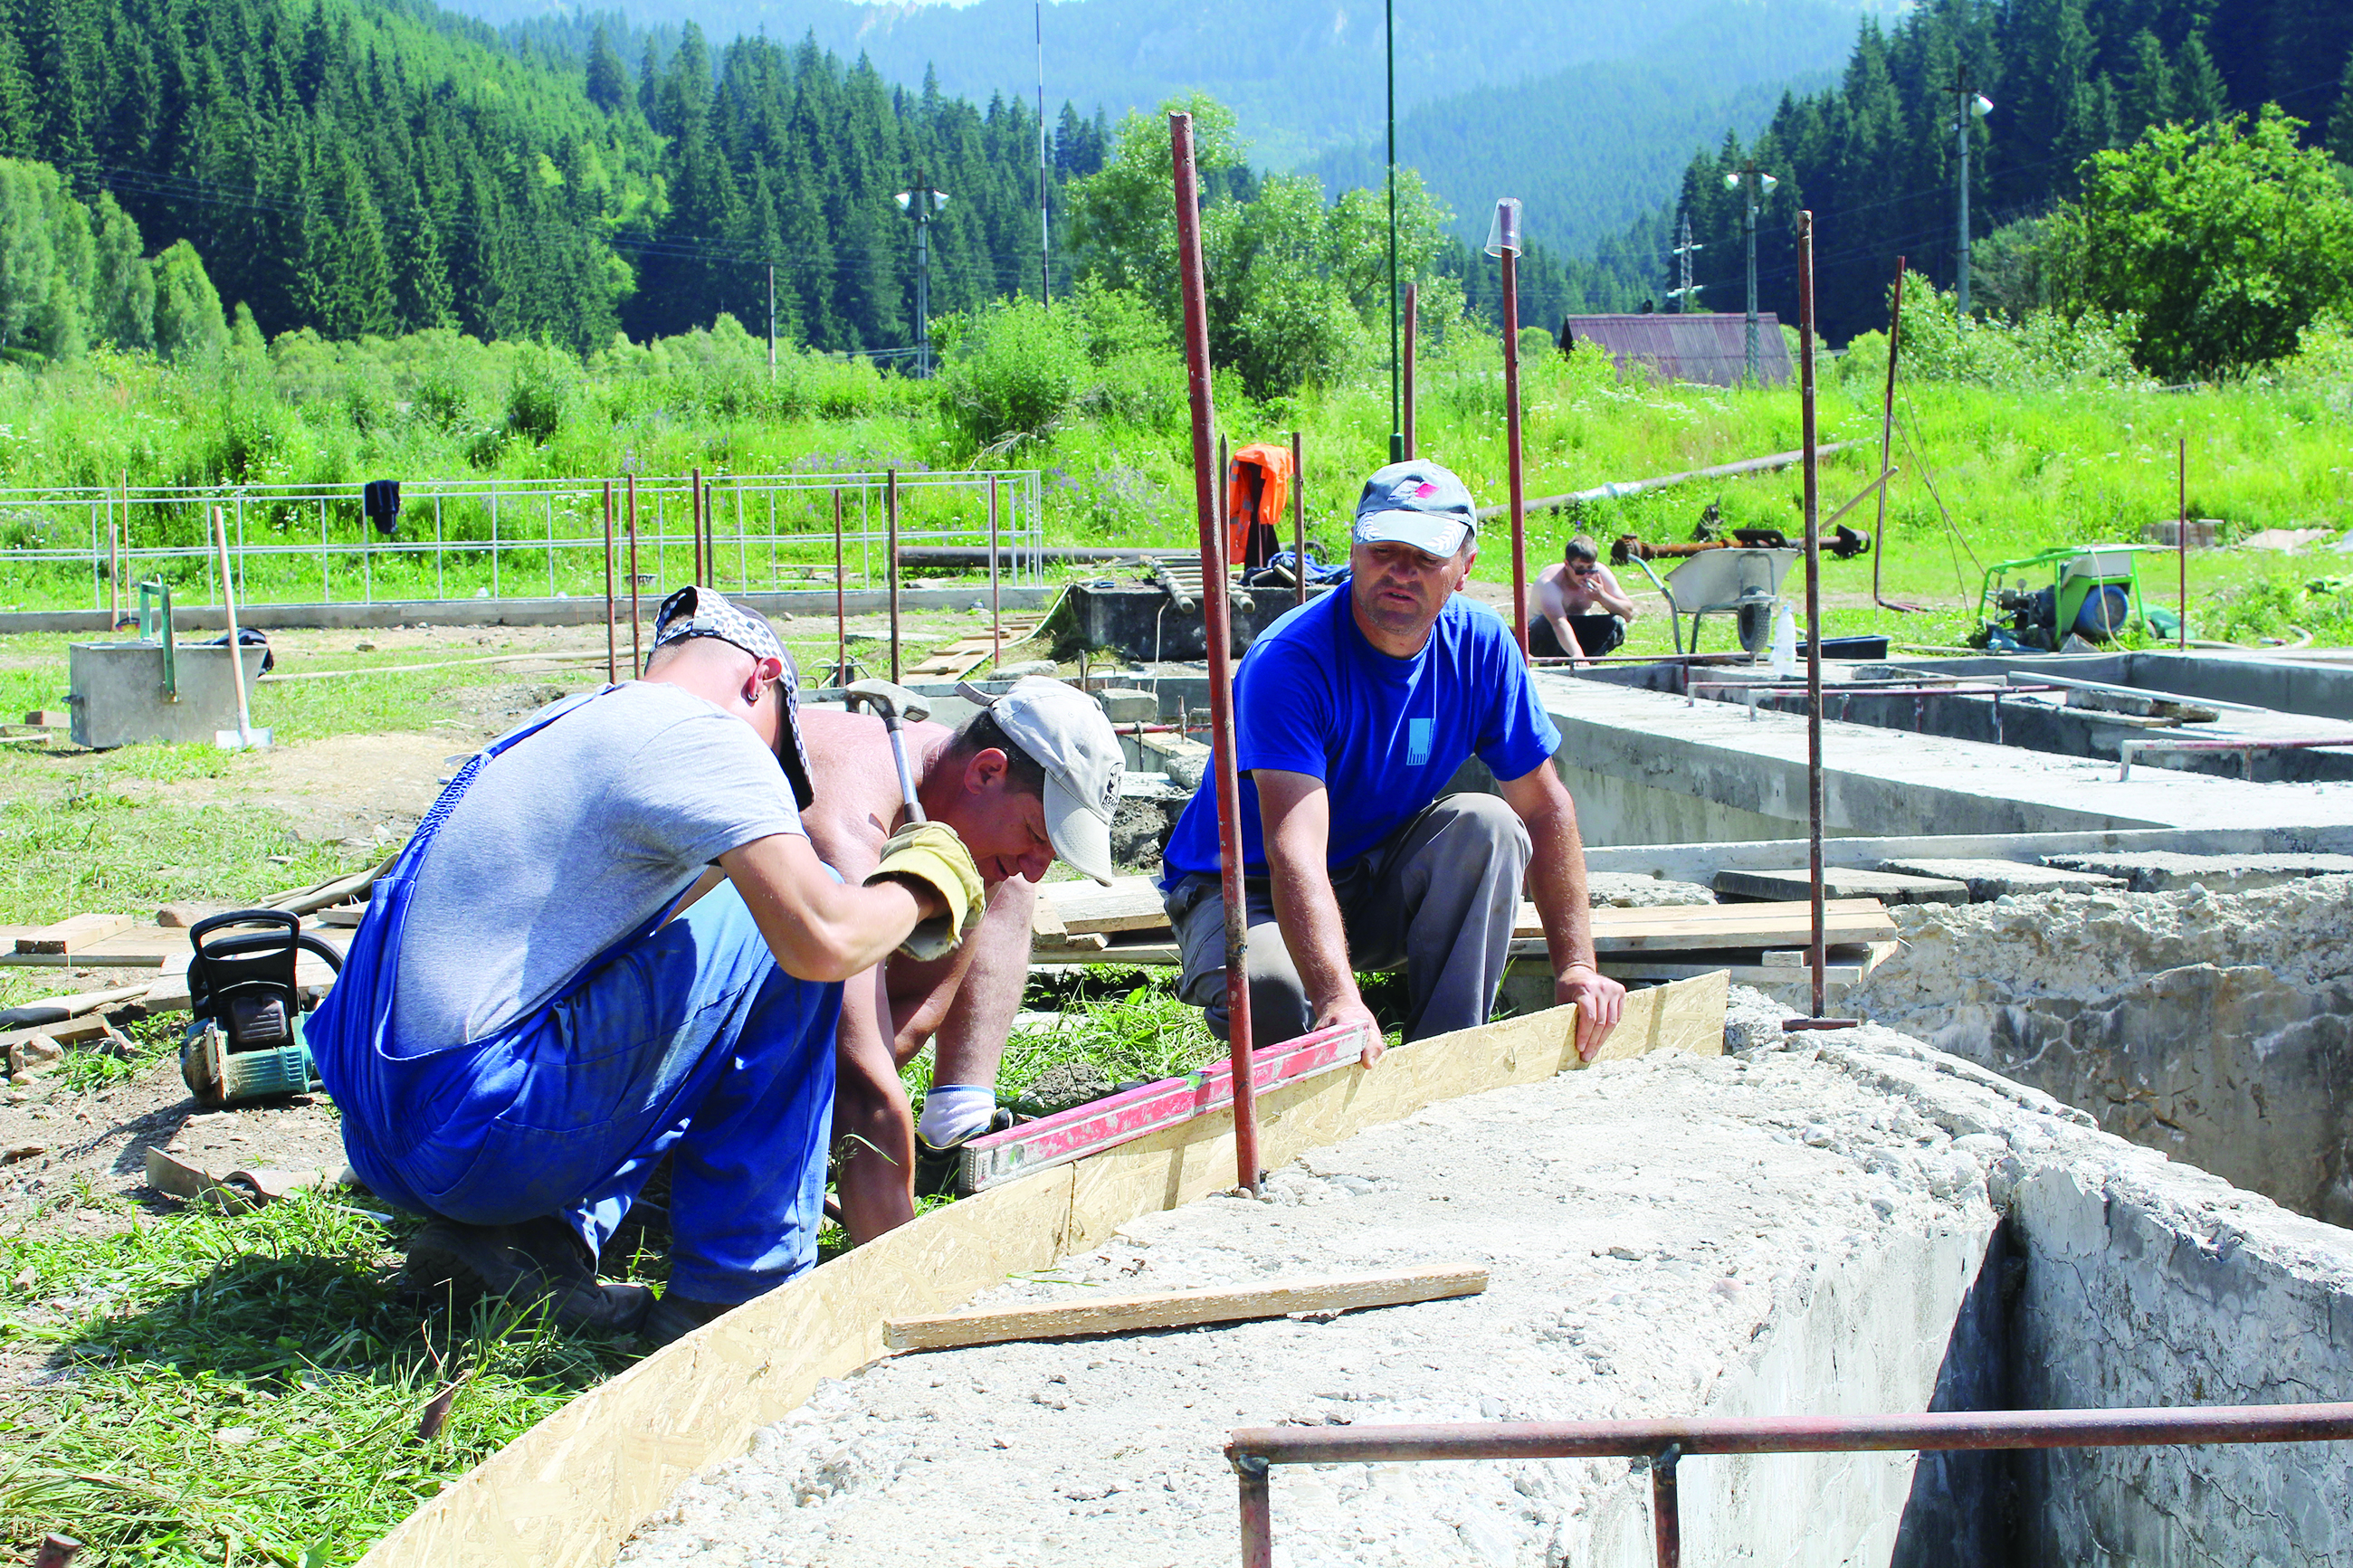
(1841, 882)
(1989, 879)
(1648, 768)
(2160, 871)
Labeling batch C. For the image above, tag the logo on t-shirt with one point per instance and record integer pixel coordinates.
(1417, 733)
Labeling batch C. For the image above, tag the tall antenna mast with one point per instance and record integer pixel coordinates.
(1683, 294)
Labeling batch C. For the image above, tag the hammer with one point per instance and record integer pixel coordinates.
(895, 705)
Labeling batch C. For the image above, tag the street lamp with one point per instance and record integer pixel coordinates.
(1967, 106)
(922, 202)
(1757, 185)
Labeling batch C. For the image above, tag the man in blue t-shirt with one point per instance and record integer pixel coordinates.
(1351, 712)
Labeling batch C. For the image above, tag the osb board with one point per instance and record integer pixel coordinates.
(568, 1491)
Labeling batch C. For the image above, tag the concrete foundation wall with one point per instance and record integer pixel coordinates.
(2122, 1279)
(1611, 810)
(2216, 1028)
(2163, 1285)
(1870, 1339)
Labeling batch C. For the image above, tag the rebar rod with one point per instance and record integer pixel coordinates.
(612, 647)
(1215, 611)
(1816, 948)
(637, 654)
(1513, 478)
(841, 611)
(1299, 515)
(890, 564)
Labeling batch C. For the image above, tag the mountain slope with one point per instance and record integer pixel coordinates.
(1306, 75)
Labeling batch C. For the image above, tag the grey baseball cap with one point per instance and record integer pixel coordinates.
(1416, 503)
(698, 612)
(1065, 732)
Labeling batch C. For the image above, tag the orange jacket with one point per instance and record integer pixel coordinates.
(1257, 487)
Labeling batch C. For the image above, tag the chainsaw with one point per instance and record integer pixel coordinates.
(244, 1040)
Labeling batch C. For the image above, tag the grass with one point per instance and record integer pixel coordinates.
(246, 1387)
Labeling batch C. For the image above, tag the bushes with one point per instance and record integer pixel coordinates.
(1016, 371)
(2043, 350)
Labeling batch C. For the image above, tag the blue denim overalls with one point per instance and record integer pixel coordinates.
(682, 1038)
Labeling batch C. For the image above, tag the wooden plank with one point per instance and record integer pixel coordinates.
(1130, 903)
(1842, 883)
(1180, 1309)
(71, 935)
(567, 1493)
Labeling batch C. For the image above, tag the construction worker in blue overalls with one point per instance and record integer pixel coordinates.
(610, 941)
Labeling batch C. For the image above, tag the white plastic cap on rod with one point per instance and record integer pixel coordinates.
(1981, 103)
(1504, 232)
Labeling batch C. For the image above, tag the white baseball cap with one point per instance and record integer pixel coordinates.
(1065, 732)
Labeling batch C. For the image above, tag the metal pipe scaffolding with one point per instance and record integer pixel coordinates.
(1214, 612)
(1254, 1450)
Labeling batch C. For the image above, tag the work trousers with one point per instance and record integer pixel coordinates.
(1595, 634)
(1440, 896)
(690, 1042)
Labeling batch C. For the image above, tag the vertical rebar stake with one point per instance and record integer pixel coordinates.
(1510, 260)
(1666, 1507)
(1299, 514)
(1887, 435)
(1257, 1512)
(636, 657)
(996, 614)
(840, 601)
(1215, 615)
(2181, 544)
(612, 647)
(891, 550)
(694, 521)
(1815, 954)
(1412, 321)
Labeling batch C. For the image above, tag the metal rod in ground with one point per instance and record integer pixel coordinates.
(612, 647)
(891, 550)
(1215, 613)
(2181, 540)
(1816, 954)
(841, 611)
(1258, 1514)
(1666, 1506)
(114, 571)
(694, 520)
(637, 654)
(1299, 514)
(1511, 448)
(995, 617)
(1412, 318)
(1886, 439)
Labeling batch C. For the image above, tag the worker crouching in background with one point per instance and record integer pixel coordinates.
(1581, 612)
(1352, 713)
(538, 1007)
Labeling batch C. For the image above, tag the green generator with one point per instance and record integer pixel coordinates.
(2093, 592)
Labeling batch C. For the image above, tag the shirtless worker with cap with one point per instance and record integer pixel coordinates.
(536, 1008)
(1032, 778)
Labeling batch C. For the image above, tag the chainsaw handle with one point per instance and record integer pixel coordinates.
(211, 923)
(292, 932)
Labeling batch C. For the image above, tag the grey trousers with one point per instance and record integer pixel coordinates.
(1440, 896)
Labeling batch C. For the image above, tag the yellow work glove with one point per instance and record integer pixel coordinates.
(931, 853)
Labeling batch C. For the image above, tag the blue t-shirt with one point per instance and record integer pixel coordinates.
(1384, 734)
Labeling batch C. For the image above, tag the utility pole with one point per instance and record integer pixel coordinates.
(1686, 290)
(1045, 243)
(1754, 185)
(771, 324)
(922, 202)
(1968, 104)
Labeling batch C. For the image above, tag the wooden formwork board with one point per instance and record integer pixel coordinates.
(567, 1493)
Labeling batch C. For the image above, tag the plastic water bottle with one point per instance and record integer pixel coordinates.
(1785, 644)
